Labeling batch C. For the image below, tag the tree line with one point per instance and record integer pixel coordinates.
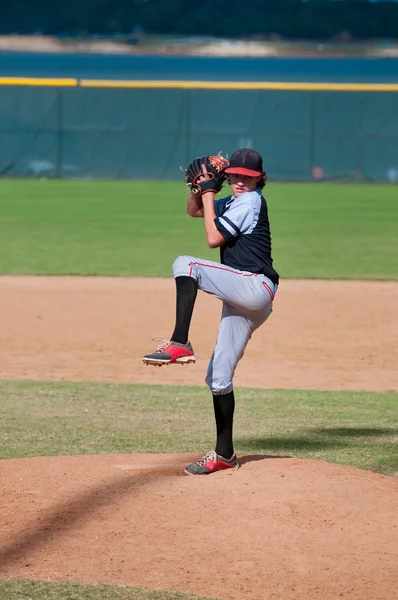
(289, 19)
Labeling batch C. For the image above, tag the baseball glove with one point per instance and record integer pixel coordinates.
(215, 167)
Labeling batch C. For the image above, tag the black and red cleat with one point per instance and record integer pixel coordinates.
(210, 463)
(170, 352)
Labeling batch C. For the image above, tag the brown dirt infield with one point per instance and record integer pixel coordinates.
(277, 528)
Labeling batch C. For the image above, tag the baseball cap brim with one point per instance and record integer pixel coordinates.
(242, 171)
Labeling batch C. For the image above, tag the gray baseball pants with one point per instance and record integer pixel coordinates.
(247, 303)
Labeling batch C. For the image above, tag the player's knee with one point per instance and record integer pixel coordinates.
(182, 266)
(219, 385)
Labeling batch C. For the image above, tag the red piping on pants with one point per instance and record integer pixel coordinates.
(272, 295)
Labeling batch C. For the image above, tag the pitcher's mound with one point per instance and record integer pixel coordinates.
(277, 528)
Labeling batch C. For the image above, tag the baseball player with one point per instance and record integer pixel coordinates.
(244, 280)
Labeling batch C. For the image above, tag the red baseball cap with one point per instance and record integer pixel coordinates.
(245, 161)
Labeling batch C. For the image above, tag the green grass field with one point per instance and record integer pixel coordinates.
(137, 229)
(48, 419)
(25, 589)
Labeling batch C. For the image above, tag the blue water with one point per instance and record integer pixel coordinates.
(102, 66)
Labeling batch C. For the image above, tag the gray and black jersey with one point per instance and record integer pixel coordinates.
(243, 222)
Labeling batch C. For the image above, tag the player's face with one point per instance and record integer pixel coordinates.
(242, 183)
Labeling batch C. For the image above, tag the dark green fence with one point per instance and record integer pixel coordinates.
(148, 133)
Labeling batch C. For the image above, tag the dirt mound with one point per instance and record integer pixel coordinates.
(276, 528)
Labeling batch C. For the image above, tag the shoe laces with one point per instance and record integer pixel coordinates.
(165, 343)
(210, 456)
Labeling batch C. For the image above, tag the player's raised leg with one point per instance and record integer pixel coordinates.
(242, 289)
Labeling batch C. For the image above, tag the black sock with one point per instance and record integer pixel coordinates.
(224, 406)
(187, 289)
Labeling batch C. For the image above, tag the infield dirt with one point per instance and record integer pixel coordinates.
(332, 335)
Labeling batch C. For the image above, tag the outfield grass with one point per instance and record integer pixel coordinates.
(43, 419)
(138, 228)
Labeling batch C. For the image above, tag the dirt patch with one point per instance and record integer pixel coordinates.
(289, 529)
(322, 335)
